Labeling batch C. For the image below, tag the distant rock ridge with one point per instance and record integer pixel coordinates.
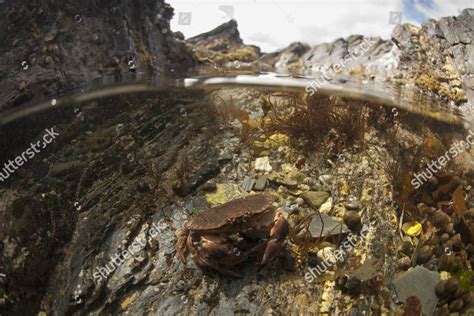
(437, 57)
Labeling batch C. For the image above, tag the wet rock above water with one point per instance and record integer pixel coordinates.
(52, 47)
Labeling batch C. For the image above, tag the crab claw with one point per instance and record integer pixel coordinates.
(278, 233)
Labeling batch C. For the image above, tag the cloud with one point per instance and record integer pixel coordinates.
(311, 21)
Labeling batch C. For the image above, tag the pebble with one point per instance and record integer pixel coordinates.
(424, 255)
(261, 183)
(468, 298)
(456, 305)
(404, 263)
(449, 229)
(444, 238)
(299, 201)
(440, 289)
(209, 187)
(451, 286)
(352, 221)
(445, 262)
(248, 183)
(315, 198)
(294, 209)
(454, 242)
(470, 249)
(263, 164)
(406, 248)
(353, 205)
(353, 285)
(440, 219)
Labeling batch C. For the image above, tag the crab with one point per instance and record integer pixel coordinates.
(206, 236)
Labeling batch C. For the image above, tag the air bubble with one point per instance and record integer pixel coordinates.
(131, 65)
(54, 102)
(77, 112)
(24, 65)
(78, 18)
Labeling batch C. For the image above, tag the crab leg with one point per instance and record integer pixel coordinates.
(181, 244)
(278, 233)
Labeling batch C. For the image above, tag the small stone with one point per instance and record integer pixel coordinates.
(445, 262)
(353, 285)
(327, 206)
(452, 285)
(470, 249)
(353, 221)
(406, 248)
(444, 238)
(209, 187)
(315, 199)
(424, 255)
(327, 254)
(468, 299)
(440, 289)
(261, 183)
(449, 229)
(404, 263)
(442, 311)
(353, 205)
(456, 305)
(454, 242)
(313, 259)
(294, 209)
(440, 219)
(263, 164)
(328, 226)
(299, 201)
(248, 183)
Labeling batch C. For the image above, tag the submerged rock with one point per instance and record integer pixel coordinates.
(315, 198)
(418, 282)
(325, 226)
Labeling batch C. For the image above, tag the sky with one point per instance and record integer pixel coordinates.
(274, 24)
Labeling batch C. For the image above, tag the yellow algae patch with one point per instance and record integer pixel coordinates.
(225, 192)
(412, 229)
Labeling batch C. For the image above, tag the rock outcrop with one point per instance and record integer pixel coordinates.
(437, 57)
(50, 48)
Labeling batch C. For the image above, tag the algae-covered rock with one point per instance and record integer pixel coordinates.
(315, 198)
(224, 193)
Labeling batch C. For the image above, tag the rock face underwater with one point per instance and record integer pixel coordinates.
(89, 226)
